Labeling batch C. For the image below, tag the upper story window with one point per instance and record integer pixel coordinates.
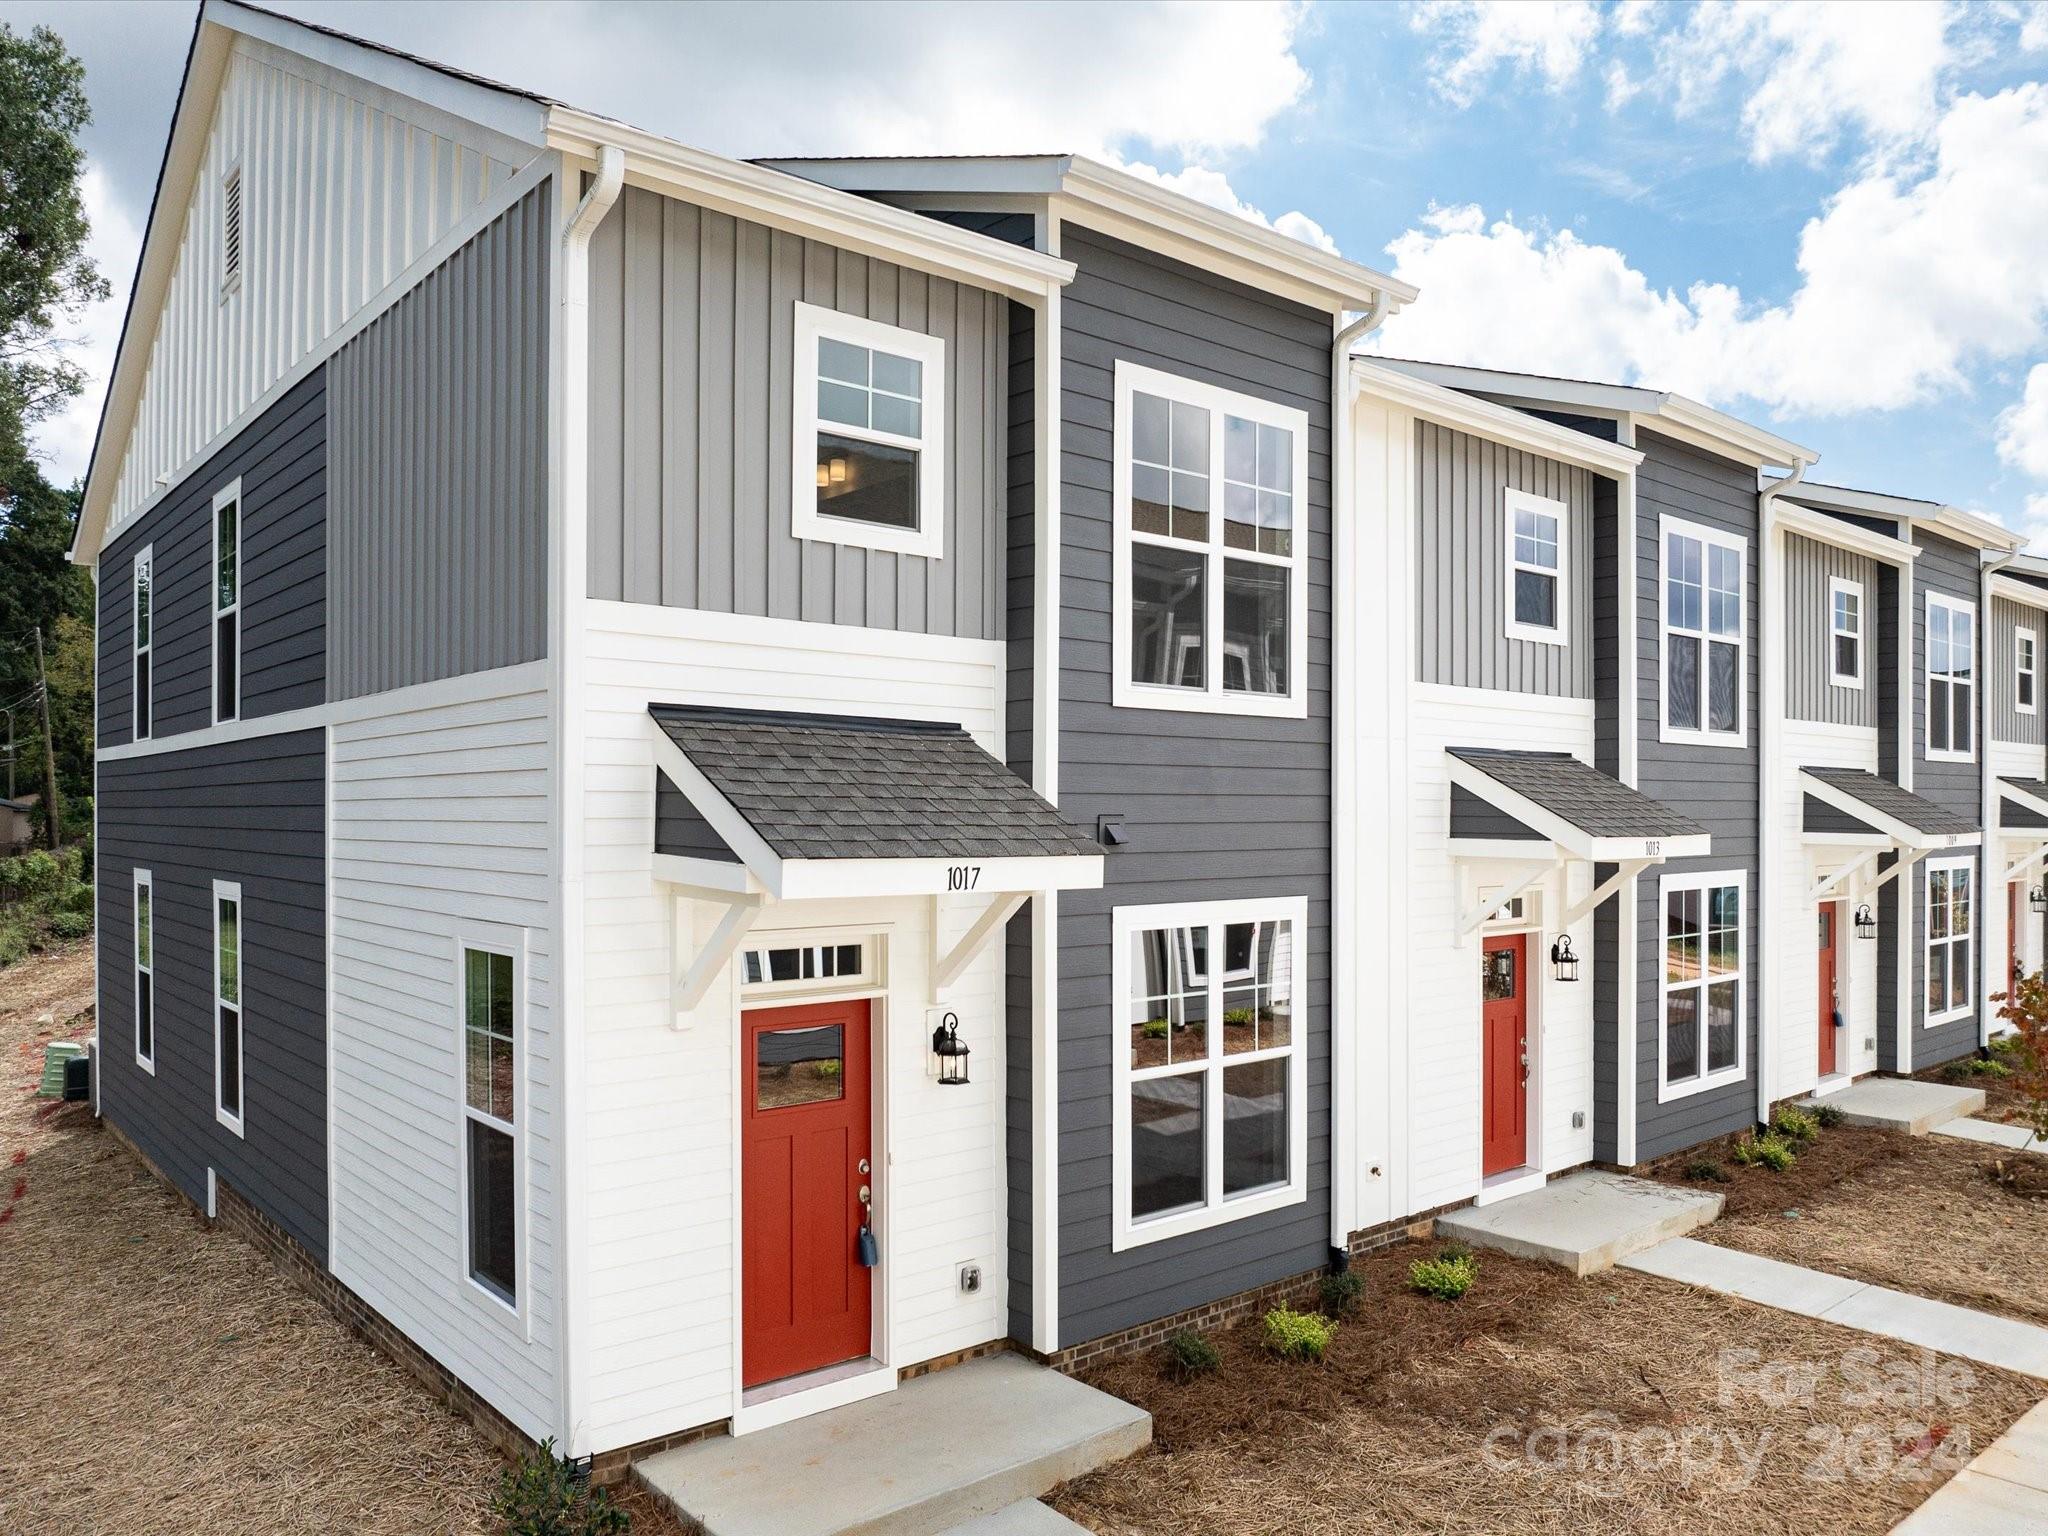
(869, 431)
(1951, 679)
(1704, 978)
(231, 232)
(1705, 679)
(1536, 593)
(227, 604)
(490, 1113)
(145, 671)
(2025, 670)
(1211, 581)
(227, 1004)
(1950, 927)
(1845, 633)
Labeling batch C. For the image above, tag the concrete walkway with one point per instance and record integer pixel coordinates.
(1998, 1341)
(2005, 1490)
(1901, 1104)
(1585, 1221)
(1993, 1133)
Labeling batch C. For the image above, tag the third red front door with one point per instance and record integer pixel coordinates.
(1504, 991)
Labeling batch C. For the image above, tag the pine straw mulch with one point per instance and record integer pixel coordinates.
(2003, 1100)
(1392, 1432)
(156, 1376)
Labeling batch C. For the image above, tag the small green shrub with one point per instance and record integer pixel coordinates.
(1446, 1277)
(71, 925)
(2010, 1046)
(78, 898)
(35, 875)
(1769, 1150)
(14, 943)
(1791, 1123)
(1976, 1066)
(1342, 1292)
(1704, 1170)
(543, 1494)
(1298, 1335)
(1827, 1116)
(1240, 1016)
(1189, 1355)
(1155, 1029)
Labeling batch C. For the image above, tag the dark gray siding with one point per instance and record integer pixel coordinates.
(1893, 722)
(2003, 720)
(1717, 786)
(1020, 532)
(1474, 817)
(692, 319)
(1461, 542)
(1218, 807)
(251, 811)
(1607, 718)
(679, 829)
(440, 408)
(1810, 693)
(282, 460)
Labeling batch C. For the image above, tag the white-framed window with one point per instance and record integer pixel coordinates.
(229, 1005)
(491, 1018)
(869, 430)
(145, 970)
(1706, 681)
(1211, 1108)
(1845, 632)
(1701, 1040)
(231, 232)
(811, 963)
(1210, 563)
(144, 647)
(1951, 679)
(227, 603)
(1951, 931)
(1538, 596)
(2026, 683)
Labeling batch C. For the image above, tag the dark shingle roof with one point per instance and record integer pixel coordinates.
(1902, 805)
(1594, 802)
(2035, 787)
(832, 787)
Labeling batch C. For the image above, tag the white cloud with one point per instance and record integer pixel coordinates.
(63, 443)
(1213, 188)
(1549, 38)
(2023, 426)
(2034, 26)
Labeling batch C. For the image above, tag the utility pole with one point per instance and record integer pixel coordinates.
(51, 810)
(10, 754)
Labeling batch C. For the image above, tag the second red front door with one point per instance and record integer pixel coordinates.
(1504, 990)
(1830, 1001)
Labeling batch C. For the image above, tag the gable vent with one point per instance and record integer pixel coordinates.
(231, 233)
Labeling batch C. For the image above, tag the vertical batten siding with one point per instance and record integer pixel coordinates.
(439, 566)
(1218, 806)
(1461, 608)
(1810, 693)
(281, 459)
(2003, 720)
(1020, 594)
(692, 320)
(343, 187)
(249, 811)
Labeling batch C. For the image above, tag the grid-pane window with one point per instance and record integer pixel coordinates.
(1845, 634)
(1951, 677)
(145, 969)
(1535, 566)
(1703, 635)
(144, 635)
(2024, 672)
(227, 1002)
(1703, 980)
(1950, 932)
(870, 414)
(490, 1056)
(227, 607)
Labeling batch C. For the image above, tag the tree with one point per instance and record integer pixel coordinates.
(40, 586)
(2025, 1007)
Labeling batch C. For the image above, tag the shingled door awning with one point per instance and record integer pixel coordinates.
(1844, 803)
(1553, 797)
(2023, 806)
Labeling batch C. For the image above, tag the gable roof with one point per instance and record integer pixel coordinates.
(1964, 527)
(1591, 813)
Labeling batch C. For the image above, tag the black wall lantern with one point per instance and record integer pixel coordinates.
(1866, 924)
(2037, 898)
(1565, 958)
(951, 1053)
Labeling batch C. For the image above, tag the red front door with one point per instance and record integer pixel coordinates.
(1830, 993)
(805, 1162)
(1504, 988)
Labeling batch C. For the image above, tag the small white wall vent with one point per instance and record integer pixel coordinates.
(231, 233)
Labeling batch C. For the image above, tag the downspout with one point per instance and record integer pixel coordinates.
(1770, 659)
(1344, 595)
(1990, 852)
(569, 533)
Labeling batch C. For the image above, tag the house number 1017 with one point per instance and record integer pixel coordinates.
(962, 877)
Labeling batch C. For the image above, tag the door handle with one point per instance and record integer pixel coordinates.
(867, 1200)
(864, 1166)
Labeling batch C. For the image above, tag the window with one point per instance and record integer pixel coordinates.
(807, 966)
(2024, 698)
(1704, 644)
(145, 671)
(1950, 927)
(227, 604)
(1845, 633)
(490, 1119)
(231, 232)
(1211, 1109)
(1702, 1044)
(1211, 588)
(1951, 679)
(1536, 595)
(870, 419)
(145, 971)
(227, 1004)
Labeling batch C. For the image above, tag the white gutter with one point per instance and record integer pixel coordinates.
(1990, 801)
(1770, 658)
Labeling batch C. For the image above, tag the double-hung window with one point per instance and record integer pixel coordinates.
(1536, 550)
(1704, 644)
(1210, 564)
(1951, 679)
(144, 672)
(1950, 928)
(227, 1004)
(2026, 698)
(227, 604)
(145, 970)
(1211, 1090)
(490, 1118)
(1704, 982)
(1845, 633)
(869, 427)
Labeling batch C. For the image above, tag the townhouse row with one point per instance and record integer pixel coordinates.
(719, 781)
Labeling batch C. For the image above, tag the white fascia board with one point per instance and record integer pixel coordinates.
(1904, 836)
(1504, 424)
(1505, 850)
(1724, 432)
(1970, 528)
(711, 876)
(1951, 522)
(929, 176)
(1573, 394)
(824, 879)
(1618, 850)
(762, 861)
(1824, 529)
(2024, 593)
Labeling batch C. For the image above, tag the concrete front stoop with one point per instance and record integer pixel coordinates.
(1901, 1104)
(1586, 1222)
(965, 1451)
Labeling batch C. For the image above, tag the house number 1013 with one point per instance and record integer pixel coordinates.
(962, 877)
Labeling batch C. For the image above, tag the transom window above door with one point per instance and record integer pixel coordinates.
(869, 409)
(1705, 671)
(1535, 586)
(1211, 593)
(811, 964)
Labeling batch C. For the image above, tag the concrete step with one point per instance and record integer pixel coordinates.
(1585, 1222)
(938, 1452)
(1900, 1104)
(1993, 1133)
(1027, 1517)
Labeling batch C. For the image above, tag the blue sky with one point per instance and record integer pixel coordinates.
(1828, 218)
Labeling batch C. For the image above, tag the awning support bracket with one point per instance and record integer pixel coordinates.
(954, 962)
(2014, 870)
(1843, 876)
(694, 979)
(1475, 917)
(1908, 857)
(1627, 871)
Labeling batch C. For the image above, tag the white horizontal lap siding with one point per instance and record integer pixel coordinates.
(439, 830)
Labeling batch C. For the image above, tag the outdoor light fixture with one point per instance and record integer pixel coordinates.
(951, 1053)
(1565, 958)
(2037, 898)
(1866, 924)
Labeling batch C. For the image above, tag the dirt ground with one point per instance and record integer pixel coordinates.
(1544, 1403)
(159, 1377)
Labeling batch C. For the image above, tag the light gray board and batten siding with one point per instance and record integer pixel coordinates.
(2003, 720)
(692, 342)
(1461, 598)
(438, 565)
(281, 458)
(1810, 691)
(1218, 806)
(251, 811)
